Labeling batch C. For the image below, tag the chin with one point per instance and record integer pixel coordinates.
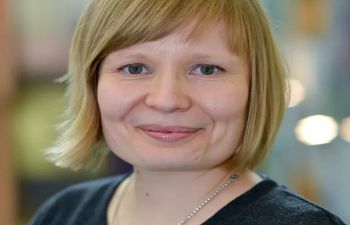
(170, 167)
(171, 164)
(159, 159)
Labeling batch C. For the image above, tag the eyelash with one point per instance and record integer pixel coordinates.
(217, 69)
(123, 68)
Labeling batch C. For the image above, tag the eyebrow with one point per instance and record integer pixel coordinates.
(233, 58)
(198, 55)
(128, 55)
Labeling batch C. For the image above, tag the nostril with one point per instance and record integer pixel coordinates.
(168, 99)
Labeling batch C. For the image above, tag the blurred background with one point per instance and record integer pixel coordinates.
(311, 154)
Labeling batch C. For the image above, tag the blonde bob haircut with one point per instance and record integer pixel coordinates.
(109, 25)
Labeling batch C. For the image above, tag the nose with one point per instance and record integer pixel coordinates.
(168, 94)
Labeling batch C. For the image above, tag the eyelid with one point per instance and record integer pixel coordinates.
(219, 68)
(191, 70)
(122, 68)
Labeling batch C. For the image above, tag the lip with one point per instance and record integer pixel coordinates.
(168, 133)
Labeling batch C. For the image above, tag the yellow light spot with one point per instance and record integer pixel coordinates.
(316, 130)
(297, 92)
(345, 129)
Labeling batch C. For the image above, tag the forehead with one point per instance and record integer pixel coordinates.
(211, 38)
(193, 31)
(193, 34)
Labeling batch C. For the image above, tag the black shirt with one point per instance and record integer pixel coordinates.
(267, 203)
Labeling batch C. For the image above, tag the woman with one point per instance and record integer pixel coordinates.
(191, 93)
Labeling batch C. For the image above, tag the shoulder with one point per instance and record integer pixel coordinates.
(269, 203)
(287, 207)
(77, 201)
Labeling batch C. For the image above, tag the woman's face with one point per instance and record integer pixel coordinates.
(177, 103)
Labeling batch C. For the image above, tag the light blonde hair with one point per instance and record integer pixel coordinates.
(108, 25)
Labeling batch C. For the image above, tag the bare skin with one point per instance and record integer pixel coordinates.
(147, 193)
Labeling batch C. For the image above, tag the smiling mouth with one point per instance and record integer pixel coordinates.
(168, 133)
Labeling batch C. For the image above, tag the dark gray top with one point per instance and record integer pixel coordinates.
(267, 203)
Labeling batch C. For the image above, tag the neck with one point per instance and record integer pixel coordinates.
(173, 195)
(167, 186)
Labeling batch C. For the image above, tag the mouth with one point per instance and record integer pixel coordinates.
(168, 133)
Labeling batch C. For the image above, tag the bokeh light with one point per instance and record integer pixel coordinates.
(297, 92)
(316, 130)
(345, 129)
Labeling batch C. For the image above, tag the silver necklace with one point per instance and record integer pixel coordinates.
(197, 209)
(206, 201)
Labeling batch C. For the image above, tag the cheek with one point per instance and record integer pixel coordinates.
(228, 109)
(226, 103)
(113, 101)
(114, 104)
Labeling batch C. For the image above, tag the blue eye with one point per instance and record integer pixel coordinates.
(207, 70)
(136, 68)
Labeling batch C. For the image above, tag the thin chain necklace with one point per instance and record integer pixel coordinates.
(206, 201)
(195, 211)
